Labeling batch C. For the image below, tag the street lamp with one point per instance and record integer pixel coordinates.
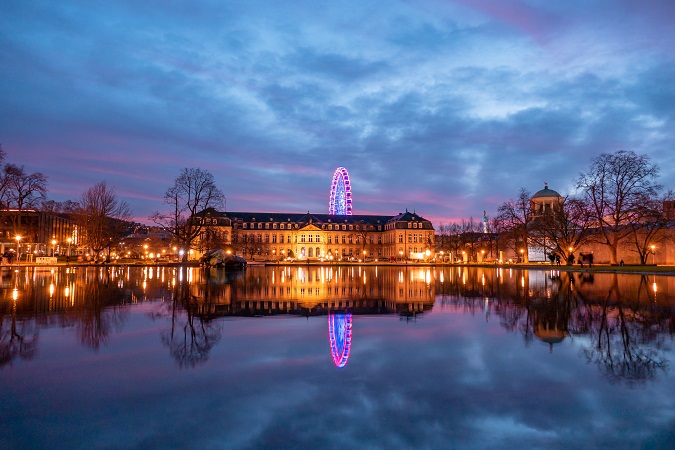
(364, 256)
(653, 255)
(18, 249)
(400, 255)
(53, 247)
(522, 255)
(69, 240)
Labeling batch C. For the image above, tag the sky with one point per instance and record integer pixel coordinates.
(445, 108)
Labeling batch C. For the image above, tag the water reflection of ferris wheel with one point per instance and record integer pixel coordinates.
(340, 336)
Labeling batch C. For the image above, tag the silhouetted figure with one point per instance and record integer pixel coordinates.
(590, 260)
(621, 263)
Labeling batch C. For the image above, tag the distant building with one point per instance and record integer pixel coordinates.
(544, 200)
(42, 233)
(316, 236)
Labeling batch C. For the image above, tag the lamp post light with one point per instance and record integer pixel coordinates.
(18, 250)
(400, 255)
(53, 247)
(69, 241)
(522, 255)
(364, 256)
(653, 255)
(442, 257)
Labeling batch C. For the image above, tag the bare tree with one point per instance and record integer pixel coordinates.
(20, 191)
(615, 186)
(565, 227)
(101, 216)
(193, 191)
(647, 226)
(515, 216)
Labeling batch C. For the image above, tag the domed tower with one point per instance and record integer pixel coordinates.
(544, 200)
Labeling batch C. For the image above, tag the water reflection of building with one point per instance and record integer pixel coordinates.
(317, 290)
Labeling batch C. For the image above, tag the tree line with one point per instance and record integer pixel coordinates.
(101, 216)
(618, 203)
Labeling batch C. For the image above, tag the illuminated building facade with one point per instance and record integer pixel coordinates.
(277, 236)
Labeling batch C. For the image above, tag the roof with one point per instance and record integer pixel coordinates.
(312, 218)
(546, 192)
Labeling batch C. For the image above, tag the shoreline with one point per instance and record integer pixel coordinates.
(646, 269)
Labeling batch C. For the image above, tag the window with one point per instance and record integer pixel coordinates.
(409, 224)
(302, 238)
(409, 239)
(400, 239)
(311, 238)
(344, 239)
(259, 225)
(274, 226)
(259, 237)
(282, 226)
(318, 238)
(344, 227)
(330, 239)
(267, 226)
(274, 239)
(267, 238)
(245, 225)
(351, 227)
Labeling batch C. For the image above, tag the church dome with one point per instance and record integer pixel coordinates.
(546, 193)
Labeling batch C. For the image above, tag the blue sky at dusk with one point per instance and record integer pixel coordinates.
(443, 107)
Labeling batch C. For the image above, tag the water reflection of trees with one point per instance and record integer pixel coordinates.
(627, 335)
(191, 336)
(18, 338)
(619, 325)
(97, 313)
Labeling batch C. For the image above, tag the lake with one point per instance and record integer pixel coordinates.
(335, 357)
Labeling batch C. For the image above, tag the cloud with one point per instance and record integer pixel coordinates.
(443, 107)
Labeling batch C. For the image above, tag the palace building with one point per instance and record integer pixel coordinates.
(278, 236)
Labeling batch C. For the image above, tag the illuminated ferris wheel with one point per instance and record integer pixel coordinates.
(340, 336)
(340, 194)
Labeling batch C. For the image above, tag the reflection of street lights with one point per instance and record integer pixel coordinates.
(18, 249)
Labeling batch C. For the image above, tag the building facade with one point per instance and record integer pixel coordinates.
(279, 236)
(40, 233)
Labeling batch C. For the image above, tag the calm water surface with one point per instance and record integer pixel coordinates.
(335, 357)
